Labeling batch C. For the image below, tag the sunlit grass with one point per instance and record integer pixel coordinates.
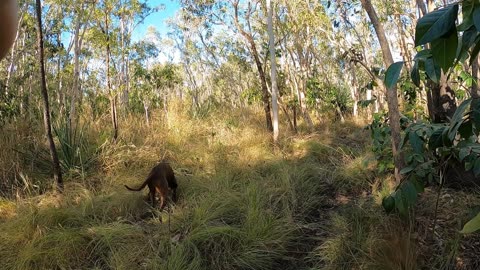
(311, 202)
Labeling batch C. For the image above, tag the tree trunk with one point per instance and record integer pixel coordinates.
(392, 100)
(299, 90)
(57, 172)
(354, 91)
(145, 106)
(263, 81)
(76, 72)
(113, 97)
(475, 91)
(273, 71)
(421, 7)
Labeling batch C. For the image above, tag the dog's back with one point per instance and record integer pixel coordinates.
(161, 179)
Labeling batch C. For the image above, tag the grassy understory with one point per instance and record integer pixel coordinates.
(311, 203)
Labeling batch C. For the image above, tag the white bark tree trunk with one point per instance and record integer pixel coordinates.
(273, 71)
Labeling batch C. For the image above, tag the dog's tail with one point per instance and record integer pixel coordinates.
(140, 188)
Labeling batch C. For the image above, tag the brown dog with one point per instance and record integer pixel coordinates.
(161, 179)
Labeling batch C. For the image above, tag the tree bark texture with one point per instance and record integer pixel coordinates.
(392, 99)
(57, 172)
(273, 69)
(263, 81)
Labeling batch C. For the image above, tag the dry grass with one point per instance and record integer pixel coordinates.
(312, 202)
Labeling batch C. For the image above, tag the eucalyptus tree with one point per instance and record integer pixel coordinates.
(129, 14)
(391, 92)
(104, 15)
(81, 13)
(271, 45)
(142, 52)
(181, 37)
(305, 29)
(57, 172)
(238, 17)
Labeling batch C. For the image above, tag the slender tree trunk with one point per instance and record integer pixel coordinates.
(299, 89)
(113, 97)
(147, 118)
(76, 72)
(59, 81)
(403, 44)
(123, 71)
(57, 172)
(475, 91)
(273, 71)
(422, 7)
(392, 100)
(263, 81)
(354, 90)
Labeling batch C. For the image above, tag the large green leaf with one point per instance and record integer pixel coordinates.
(416, 142)
(468, 37)
(418, 184)
(476, 16)
(474, 53)
(400, 202)
(436, 140)
(406, 170)
(409, 193)
(432, 70)
(472, 226)
(444, 50)
(436, 24)
(466, 129)
(423, 54)
(476, 167)
(388, 203)
(392, 74)
(463, 153)
(457, 119)
(415, 74)
(467, 18)
(460, 111)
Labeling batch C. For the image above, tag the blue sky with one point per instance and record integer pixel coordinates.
(157, 19)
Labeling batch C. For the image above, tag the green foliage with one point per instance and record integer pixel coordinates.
(380, 134)
(393, 74)
(329, 96)
(206, 108)
(9, 106)
(99, 103)
(76, 153)
(432, 149)
(151, 85)
(473, 225)
(436, 25)
(252, 95)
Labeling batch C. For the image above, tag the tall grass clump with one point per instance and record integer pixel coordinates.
(15, 171)
(360, 237)
(77, 153)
